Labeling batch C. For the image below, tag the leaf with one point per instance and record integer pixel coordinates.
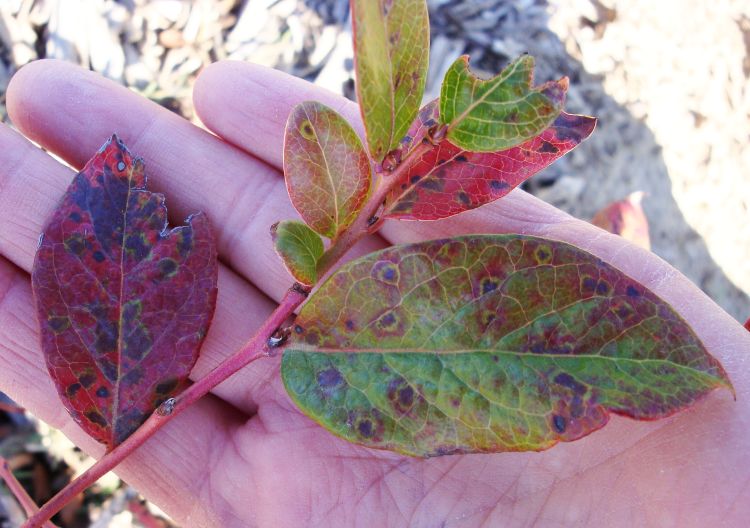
(392, 44)
(123, 303)
(488, 343)
(499, 113)
(625, 218)
(448, 180)
(326, 168)
(300, 248)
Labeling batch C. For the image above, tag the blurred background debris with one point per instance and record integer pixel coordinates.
(668, 81)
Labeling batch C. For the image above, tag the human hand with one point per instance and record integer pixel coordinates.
(245, 456)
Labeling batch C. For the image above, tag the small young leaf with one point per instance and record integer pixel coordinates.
(499, 113)
(625, 218)
(123, 303)
(326, 168)
(488, 343)
(300, 248)
(392, 43)
(448, 180)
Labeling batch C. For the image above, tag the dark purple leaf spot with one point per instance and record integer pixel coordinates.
(632, 291)
(167, 267)
(548, 148)
(72, 389)
(499, 185)
(59, 324)
(312, 337)
(488, 285)
(87, 380)
(97, 418)
(329, 378)
(102, 392)
(588, 283)
(167, 386)
(365, 428)
(559, 423)
(568, 381)
(385, 271)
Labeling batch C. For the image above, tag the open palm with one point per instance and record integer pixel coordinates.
(245, 456)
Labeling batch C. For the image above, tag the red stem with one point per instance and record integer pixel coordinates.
(26, 502)
(256, 348)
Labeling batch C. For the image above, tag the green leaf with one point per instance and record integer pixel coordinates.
(488, 343)
(326, 168)
(499, 113)
(392, 43)
(300, 248)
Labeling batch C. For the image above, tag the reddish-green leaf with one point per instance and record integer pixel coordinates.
(326, 168)
(392, 43)
(488, 343)
(499, 113)
(300, 248)
(448, 180)
(123, 302)
(625, 218)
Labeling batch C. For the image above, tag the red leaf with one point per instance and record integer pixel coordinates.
(625, 218)
(747, 324)
(123, 302)
(448, 180)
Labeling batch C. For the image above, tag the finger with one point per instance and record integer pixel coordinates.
(30, 185)
(261, 99)
(166, 469)
(71, 111)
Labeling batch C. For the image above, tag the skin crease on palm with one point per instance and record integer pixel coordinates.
(245, 456)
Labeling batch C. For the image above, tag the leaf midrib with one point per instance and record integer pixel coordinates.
(478, 82)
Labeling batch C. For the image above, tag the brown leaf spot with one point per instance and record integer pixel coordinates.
(307, 131)
(312, 337)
